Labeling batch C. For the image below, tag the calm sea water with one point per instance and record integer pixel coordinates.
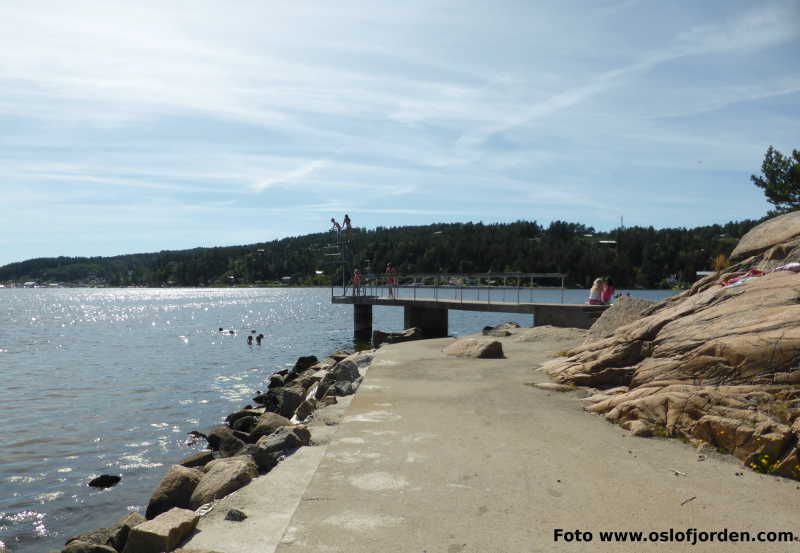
(112, 380)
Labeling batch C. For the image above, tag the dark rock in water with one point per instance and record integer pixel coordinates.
(409, 334)
(79, 546)
(198, 459)
(105, 481)
(303, 363)
(235, 515)
(267, 424)
(194, 436)
(174, 490)
(223, 439)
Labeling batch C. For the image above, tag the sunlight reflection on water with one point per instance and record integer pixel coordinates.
(113, 379)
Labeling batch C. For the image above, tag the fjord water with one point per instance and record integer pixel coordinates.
(112, 380)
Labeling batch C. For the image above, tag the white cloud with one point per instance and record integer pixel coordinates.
(285, 178)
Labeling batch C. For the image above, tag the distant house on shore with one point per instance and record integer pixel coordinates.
(30, 284)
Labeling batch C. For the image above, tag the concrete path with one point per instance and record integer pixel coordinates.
(437, 454)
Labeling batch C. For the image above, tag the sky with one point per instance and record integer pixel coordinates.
(144, 126)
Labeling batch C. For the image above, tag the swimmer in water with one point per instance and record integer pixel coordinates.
(249, 340)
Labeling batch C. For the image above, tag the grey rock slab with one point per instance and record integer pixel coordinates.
(223, 476)
(163, 533)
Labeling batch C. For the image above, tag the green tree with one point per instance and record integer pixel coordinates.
(780, 180)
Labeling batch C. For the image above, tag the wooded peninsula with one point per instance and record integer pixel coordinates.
(635, 257)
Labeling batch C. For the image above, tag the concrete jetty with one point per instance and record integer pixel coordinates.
(455, 455)
(431, 315)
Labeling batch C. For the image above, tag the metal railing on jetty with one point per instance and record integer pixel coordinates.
(481, 287)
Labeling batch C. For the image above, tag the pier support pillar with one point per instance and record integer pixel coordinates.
(432, 322)
(362, 322)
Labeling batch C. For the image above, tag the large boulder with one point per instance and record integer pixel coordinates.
(285, 438)
(715, 364)
(282, 400)
(304, 363)
(223, 439)
(163, 533)
(479, 348)
(345, 370)
(233, 417)
(267, 424)
(174, 490)
(222, 477)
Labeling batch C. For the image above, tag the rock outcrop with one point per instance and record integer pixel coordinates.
(715, 364)
(624, 311)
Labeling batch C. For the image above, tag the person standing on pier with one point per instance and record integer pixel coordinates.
(356, 282)
(391, 278)
(347, 226)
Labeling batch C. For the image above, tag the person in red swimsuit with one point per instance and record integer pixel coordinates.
(391, 278)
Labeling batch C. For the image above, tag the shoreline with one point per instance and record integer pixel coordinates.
(496, 421)
(442, 453)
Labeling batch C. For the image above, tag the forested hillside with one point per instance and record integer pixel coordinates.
(641, 257)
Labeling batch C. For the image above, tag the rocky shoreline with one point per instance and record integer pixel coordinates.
(251, 442)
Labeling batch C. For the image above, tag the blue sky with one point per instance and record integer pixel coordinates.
(141, 126)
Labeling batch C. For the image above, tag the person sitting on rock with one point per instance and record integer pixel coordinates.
(608, 290)
(595, 294)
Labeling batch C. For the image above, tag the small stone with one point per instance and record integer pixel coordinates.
(235, 515)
